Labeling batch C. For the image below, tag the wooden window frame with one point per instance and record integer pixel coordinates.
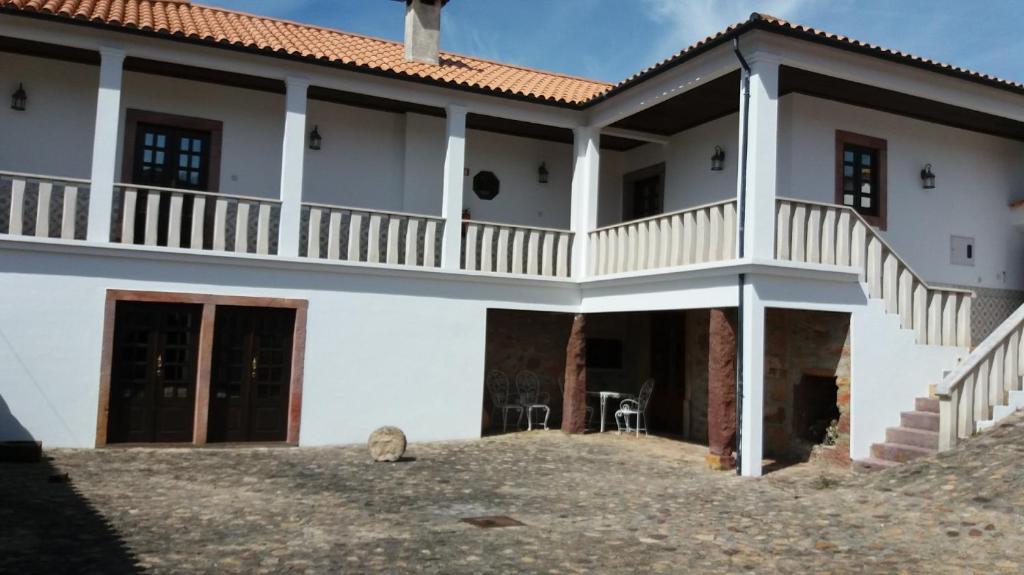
(628, 180)
(204, 356)
(842, 138)
(135, 117)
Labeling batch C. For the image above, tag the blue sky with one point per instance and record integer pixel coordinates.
(612, 39)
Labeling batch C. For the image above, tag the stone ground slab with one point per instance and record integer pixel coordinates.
(602, 504)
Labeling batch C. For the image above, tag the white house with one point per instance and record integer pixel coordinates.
(223, 227)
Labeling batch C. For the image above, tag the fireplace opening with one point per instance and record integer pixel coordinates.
(814, 409)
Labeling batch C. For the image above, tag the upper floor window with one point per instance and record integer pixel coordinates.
(860, 175)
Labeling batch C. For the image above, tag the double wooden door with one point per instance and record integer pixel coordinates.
(153, 373)
(251, 374)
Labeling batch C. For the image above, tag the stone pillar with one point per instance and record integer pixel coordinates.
(104, 145)
(574, 400)
(452, 189)
(721, 389)
(293, 157)
(585, 187)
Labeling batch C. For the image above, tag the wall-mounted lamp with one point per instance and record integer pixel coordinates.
(19, 98)
(542, 173)
(717, 159)
(927, 177)
(315, 140)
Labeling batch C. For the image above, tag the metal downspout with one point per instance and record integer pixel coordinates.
(741, 200)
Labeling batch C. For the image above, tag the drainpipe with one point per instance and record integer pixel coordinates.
(742, 201)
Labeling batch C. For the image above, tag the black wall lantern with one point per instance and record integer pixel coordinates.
(927, 177)
(717, 159)
(19, 98)
(542, 173)
(315, 140)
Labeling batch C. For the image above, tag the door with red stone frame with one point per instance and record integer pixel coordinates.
(153, 372)
(667, 408)
(251, 374)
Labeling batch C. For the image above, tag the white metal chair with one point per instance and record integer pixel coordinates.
(589, 408)
(500, 390)
(635, 408)
(531, 397)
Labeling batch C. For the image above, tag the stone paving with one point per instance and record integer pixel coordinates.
(601, 504)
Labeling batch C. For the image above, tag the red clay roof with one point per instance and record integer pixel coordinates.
(212, 25)
(218, 26)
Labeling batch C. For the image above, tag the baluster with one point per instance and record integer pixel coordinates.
(906, 298)
(828, 237)
(874, 267)
(174, 220)
(814, 235)
(487, 249)
(242, 229)
(373, 240)
(641, 247)
(729, 241)
(689, 238)
(412, 236)
(920, 313)
(562, 261)
(43, 209)
(503, 254)
(263, 230)
(313, 233)
(600, 241)
(858, 247)
(128, 216)
(17, 206)
(665, 242)
(982, 392)
(934, 318)
(429, 243)
(69, 214)
(843, 239)
(152, 217)
(963, 321)
(949, 319)
(547, 267)
(783, 233)
(355, 237)
(470, 247)
(630, 244)
(653, 241)
(949, 414)
(198, 222)
(334, 235)
(997, 379)
(715, 234)
(676, 241)
(702, 236)
(965, 419)
(394, 237)
(1010, 375)
(798, 252)
(220, 221)
(621, 249)
(890, 282)
(518, 241)
(531, 254)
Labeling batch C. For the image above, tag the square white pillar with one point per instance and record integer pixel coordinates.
(293, 155)
(762, 156)
(104, 145)
(585, 186)
(752, 423)
(453, 187)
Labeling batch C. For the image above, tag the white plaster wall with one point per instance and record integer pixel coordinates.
(423, 174)
(53, 136)
(405, 350)
(360, 161)
(522, 199)
(609, 190)
(977, 177)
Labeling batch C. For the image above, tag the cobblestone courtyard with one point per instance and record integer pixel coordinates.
(601, 504)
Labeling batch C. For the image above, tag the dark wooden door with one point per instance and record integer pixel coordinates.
(251, 374)
(153, 372)
(647, 197)
(666, 410)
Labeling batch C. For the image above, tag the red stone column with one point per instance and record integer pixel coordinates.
(574, 400)
(721, 389)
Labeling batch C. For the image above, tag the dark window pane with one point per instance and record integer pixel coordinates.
(161, 141)
(848, 156)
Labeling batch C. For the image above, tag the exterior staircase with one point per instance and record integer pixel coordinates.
(917, 436)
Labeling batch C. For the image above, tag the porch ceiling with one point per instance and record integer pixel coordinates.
(822, 86)
(717, 98)
(542, 132)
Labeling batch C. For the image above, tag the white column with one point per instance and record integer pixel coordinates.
(293, 154)
(762, 156)
(585, 185)
(752, 424)
(454, 182)
(104, 145)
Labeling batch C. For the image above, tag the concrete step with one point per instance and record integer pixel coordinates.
(925, 420)
(899, 452)
(928, 404)
(1017, 399)
(871, 465)
(915, 437)
(1001, 411)
(983, 425)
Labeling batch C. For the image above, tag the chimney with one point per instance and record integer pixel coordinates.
(423, 30)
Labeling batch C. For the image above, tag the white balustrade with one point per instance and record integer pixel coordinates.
(982, 381)
(43, 206)
(504, 248)
(692, 236)
(371, 236)
(811, 232)
(178, 218)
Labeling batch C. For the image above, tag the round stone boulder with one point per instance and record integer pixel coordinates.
(387, 444)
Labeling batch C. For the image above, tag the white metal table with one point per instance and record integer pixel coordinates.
(604, 395)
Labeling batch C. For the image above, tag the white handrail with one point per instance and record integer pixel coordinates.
(148, 188)
(517, 226)
(665, 215)
(44, 178)
(370, 211)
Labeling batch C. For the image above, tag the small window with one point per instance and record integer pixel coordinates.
(860, 175)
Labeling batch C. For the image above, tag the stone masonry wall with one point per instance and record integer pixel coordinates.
(804, 343)
(696, 376)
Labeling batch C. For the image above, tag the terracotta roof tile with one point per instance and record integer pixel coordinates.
(213, 25)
